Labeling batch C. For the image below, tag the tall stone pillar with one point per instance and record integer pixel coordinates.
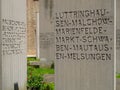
(84, 44)
(46, 31)
(118, 35)
(13, 44)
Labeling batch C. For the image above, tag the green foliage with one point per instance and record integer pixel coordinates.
(40, 70)
(44, 70)
(48, 86)
(118, 75)
(31, 58)
(52, 65)
(35, 78)
(35, 81)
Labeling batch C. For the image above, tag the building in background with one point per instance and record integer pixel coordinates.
(32, 11)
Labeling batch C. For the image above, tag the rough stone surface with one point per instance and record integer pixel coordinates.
(46, 30)
(32, 10)
(118, 84)
(118, 36)
(77, 66)
(42, 63)
(49, 78)
(13, 65)
(35, 63)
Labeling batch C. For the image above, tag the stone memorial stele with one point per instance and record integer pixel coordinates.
(118, 43)
(118, 35)
(46, 32)
(84, 44)
(13, 44)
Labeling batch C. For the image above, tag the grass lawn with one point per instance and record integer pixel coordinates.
(41, 71)
(118, 75)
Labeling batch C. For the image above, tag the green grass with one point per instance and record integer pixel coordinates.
(44, 70)
(118, 75)
(49, 86)
(40, 70)
(32, 58)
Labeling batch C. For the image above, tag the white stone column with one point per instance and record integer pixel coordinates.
(38, 37)
(118, 35)
(13, 66)
(46, 31)
(84, 44)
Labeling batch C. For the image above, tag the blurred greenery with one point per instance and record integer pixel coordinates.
(117, 75)
(35, 77)
(41, 71)
(32, 59)
(48, 86)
